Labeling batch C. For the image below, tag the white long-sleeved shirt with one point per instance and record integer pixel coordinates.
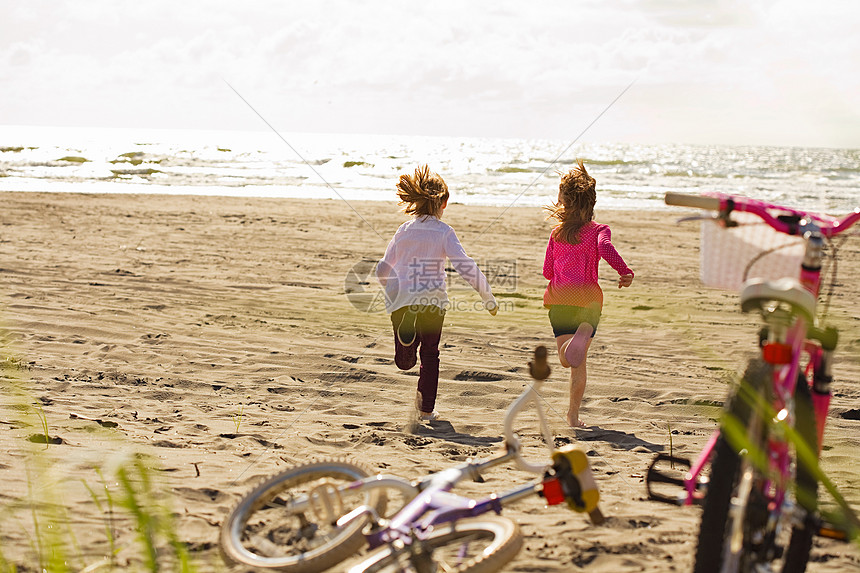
(413, 268)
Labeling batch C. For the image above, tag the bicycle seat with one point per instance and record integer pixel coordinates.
(755, 293)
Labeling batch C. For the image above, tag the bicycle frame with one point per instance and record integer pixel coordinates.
(783, 392)
(434, 504)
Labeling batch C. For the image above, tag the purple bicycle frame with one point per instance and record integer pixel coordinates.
(436, 504)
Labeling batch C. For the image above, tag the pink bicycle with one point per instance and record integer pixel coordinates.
(761, 498)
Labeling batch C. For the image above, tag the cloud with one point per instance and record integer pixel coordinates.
(476, 68)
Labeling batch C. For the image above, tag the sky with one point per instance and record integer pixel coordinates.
(704, 72)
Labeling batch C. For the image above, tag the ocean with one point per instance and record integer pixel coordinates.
(479, 171)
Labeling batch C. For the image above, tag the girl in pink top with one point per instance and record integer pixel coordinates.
(573, 297)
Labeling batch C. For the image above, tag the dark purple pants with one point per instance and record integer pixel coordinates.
(428, 328)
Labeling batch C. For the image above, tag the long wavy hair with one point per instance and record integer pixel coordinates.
(423, 193)
(575, 206)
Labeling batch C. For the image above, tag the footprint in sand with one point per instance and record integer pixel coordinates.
(416, 442)
(350, 359)
(204, 494)
(478, 376)
(850, 414)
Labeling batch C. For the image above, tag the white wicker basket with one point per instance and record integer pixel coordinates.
(752, 247)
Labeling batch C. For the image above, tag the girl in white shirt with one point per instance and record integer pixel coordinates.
(412, 275)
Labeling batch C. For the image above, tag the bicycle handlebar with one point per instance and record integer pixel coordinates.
(782, 219)
(540, 371)
(697, 201)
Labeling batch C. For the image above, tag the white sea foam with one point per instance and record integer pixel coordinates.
(499, 172)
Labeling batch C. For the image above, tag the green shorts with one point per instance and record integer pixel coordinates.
(566, 319)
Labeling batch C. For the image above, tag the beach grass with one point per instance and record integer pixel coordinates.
(125, 490)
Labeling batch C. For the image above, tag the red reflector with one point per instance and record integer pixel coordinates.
(776, 353)
(552, 492)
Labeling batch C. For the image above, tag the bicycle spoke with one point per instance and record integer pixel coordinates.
(737, 516)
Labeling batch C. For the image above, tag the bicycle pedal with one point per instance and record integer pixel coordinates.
(657, 475)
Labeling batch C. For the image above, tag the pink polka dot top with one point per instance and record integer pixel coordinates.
(572, 269)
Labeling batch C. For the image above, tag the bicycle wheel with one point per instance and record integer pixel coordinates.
(736, 534)
(275, 528)
(727, 478)
(806, 486)
(474, 545)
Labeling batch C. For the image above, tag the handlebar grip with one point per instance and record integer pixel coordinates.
(538, 368)
(697, 201)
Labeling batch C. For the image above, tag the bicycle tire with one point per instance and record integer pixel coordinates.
(726, 476)
(503, 536)
(725, 472)
(260, 534)
(806, 487)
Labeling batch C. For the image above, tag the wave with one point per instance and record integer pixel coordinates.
(690, 173)
(484, 171)
(613, 162)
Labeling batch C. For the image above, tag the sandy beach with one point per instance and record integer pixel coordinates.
(216, 336)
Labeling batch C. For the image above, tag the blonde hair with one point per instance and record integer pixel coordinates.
(575, 206)
(423, 193)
